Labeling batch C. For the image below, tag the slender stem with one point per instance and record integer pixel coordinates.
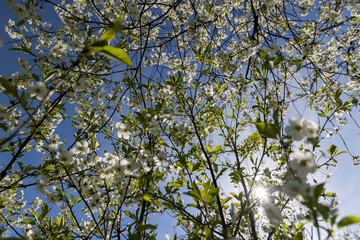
(223, 223)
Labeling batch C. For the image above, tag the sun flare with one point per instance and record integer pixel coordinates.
(260, 193)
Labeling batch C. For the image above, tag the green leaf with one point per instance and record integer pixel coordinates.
(342, 152)
(298, 63)
(337, 94)
(59, 221)
(9, 89)
(44, 211)
(128, 213)
(324, 210)
(298, 236)
(112, 31)
(99, 43)
(318, 190)
(146, 227)
(196, 192)
(327, 108)
(162, 143)
(113, 53)
(207, 233)
(279, 60)
(263, 54)
(178, 183)
(330, 194)
(144, 197)
(49, 75)
(206, 186)
(273, 148)
(208, 148)
(254, 136)
(4, 126)
(348, 221)
(192, 205)
(257, 71)
(276, 115)
(28, 221)
(72, 197)
(21, 166)
(217, 148)
(20, 23)
(212, 194)
(50, 167)
(322, 114)
(265, 66)
(332, 149)
(267, 130)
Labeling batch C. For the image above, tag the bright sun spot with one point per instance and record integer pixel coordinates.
(260, 193)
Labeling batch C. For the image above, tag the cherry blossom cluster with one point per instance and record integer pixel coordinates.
(114, 144)
(301, 128)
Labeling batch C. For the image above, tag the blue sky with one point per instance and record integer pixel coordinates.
(8, 59)
(345, 178)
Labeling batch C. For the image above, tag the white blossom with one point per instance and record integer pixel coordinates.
(200, 78)
(272, 212)
(54, 142)
(24, 65)
(37, 89)
(20, 11)
(123, 130)
(127, 166)
(301, 128)
(107, 173)
(303, 163)
(65, 158)
(81, 148)
(132, 10)
(295, 187)
(273, 48)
